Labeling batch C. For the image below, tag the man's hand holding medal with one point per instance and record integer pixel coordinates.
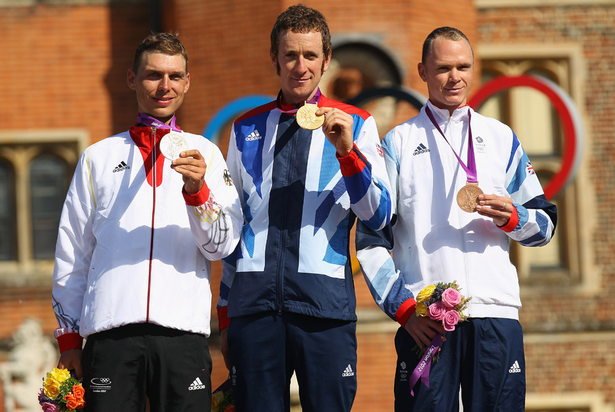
(498, 208)
(336, 125)
(187, 162)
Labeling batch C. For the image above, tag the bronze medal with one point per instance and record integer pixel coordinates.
(306, 117)
(467, 197)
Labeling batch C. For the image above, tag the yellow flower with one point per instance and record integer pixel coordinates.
(215, 399)
(52, 388)
(426, 293)
(60, 374)
(421, 309)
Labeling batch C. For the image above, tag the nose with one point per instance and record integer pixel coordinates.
(164, 83)
(300, 66)
(454, 75)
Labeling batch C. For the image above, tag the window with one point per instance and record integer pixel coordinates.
(7, 212)
(536, 123)
(35, 171)
(48, 184)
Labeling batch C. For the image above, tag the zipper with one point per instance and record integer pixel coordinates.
(284, 237)
(151, 247)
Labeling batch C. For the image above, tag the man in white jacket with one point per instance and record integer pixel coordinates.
(445, 230)
(146, 212)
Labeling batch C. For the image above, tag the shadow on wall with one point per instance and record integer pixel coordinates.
(129, 24)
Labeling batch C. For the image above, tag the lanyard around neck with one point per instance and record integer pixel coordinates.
(150, 121)
(470, 169)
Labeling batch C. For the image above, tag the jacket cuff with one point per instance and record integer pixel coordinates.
(199, 198)
(69, 341)
(512, 222)
(353, 163)
(223, 319)
(404, 312)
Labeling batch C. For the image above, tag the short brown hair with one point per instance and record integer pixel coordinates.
(165, 43)
(301, 19)
(448, 33)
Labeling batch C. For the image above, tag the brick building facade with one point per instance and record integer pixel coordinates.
(65, 67)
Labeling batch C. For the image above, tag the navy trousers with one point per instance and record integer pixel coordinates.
(265, 349)
(483, 356)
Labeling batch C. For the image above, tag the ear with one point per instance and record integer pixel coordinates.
(274, 60)
(421, 69)
(325, 65)
(187, 85)
(130, 79)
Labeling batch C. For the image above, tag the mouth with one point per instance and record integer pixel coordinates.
(301, 81)
(163, 101)
(454, 89)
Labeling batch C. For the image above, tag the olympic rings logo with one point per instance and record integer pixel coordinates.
(561, 101)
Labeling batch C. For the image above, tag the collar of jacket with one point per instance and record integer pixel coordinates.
(149, 147)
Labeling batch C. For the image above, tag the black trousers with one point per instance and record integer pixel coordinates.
(123, 366)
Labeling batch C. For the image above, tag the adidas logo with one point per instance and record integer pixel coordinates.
(196, 385)
(255, 135)
(515, 368)
(347, 372)
(421, 149)
(122, 166)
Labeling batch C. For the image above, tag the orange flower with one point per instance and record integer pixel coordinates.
(78, 391)
(230, 408)
(71, 402)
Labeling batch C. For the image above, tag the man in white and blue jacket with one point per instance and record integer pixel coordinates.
(289, 291)
(429, 160)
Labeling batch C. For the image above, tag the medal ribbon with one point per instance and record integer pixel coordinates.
(292, 108)
(150, 121)
(422, 369)
(470, 169)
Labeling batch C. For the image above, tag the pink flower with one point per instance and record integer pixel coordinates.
(451, 298)
(437, 311)
(450, 320)
(49, 407)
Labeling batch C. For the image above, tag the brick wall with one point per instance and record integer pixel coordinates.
(67, 66)
(67, 69)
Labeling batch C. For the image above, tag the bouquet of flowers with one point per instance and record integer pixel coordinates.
(222, 398)
(441, 302)
(61, 392)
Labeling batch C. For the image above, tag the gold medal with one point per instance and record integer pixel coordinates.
(467, 197)
(306, 117)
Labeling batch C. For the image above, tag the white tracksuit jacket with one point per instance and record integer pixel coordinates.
(431, 238)
(130, 247)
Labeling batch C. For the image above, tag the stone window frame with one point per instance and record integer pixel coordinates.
(580, 274)
(18, 148)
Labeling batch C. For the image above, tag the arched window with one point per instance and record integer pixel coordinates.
(359, 65)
